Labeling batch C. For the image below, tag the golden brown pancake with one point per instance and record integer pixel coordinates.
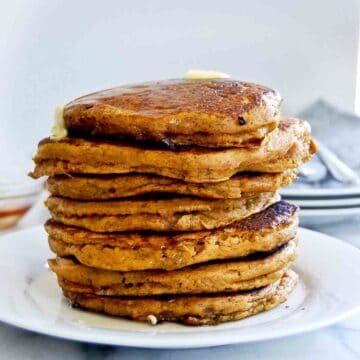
(219, 276)
(190, 310)
(106, 187)
(215, 113)
(133, 251)
(171, 214)
(287, 147)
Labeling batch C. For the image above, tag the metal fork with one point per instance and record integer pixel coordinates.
(337, 168)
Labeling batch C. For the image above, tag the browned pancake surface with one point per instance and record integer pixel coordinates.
(213, 112)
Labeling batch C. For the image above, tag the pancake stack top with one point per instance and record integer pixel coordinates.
(164, 200)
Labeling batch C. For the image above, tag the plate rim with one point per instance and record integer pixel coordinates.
(336, 211)
(352, 202)
(320, 192)
(161, 341)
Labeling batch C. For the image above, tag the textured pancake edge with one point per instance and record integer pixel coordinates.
(176, 214)
(191, 310)
(223, 276)
(287, 147)
(105, 187)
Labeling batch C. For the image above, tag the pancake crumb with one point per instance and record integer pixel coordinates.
(152, 319)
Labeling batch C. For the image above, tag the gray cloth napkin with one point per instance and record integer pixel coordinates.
(339, 130)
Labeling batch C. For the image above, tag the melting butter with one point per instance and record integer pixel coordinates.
(205, 74)
(58, 130)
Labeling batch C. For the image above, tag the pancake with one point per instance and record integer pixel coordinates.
(190, 310)
(107, 187)
(171, 214)
(287, 147)
(221, 276)
(134, 251)
(216, 112)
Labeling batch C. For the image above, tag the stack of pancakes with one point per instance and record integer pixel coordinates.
(164, 200)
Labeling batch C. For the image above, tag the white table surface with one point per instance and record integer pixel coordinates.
(341, 341)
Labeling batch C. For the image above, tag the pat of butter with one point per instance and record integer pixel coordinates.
(205, 74)
(58, 130)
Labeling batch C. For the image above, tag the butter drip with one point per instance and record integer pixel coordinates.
(58, 130)
(205, 74)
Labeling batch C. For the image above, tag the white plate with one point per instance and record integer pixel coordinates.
(30, 298)
(312, 217)
(292, 191)
(325, 203)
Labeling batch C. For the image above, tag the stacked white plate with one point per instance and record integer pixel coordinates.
(320, 205)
